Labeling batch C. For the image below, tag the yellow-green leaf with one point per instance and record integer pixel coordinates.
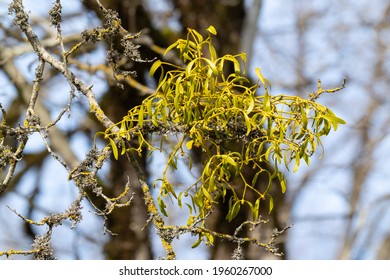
(149, 107)
(189, 144)
(266, 83)
(236, 64)
(212, 66)
(251, 105)
(268, 152)
(171, 47)
(198, 35)
(206, 169)
(233, 212)
(243, 56)
(255, 209)
(162, 206)
(141, 116)
(114, 148)
(247, 124)
(190, 219)
(297, 162)
(212, 181)
(154, 67)
(282, 181)
(163, 111)
(123, 131)
(209, 238)
(178, 95)
(271, 203)
(212, 30)
(230, 160)
(304, 116)
(179, 199)
(189, 67)
(213, 53)
(123, 151)
(197, 242)
(266, 103)
(207, 194)
(334, 120)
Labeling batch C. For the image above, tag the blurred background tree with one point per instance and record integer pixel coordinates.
(339, 200)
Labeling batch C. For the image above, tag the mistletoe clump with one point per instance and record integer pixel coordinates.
(210, 108)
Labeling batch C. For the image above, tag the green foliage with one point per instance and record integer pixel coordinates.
(210, 105)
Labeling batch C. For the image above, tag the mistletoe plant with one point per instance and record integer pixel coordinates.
(211, 108)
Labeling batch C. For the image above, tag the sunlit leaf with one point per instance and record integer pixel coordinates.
(197, 242)
(271, 203)
(154, 119)
(154, 67)
(247, 124)
(266, 83)
(243, 56)
(168, 188)
(282, 181)
(189, 68)
(304, 117)
(266, 103)
(230, 160)
(207, 194)
(268, 152)
(189, 144)
(149, 106)
(209, 238)
(189, 208)
(213, 53)
(306, 158)
(141, 115)
(114, 148)
(233, 212)
(162, 206)
(212, 30)
(250, 105)
(197, 35)
(191, 219)
(240, 80)
(179, 198)
(163, 111)
(123, 148)
(171, 47)
(236, 64)
(297, 162)
(212, 66)
(211, 184)
(334, 120)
